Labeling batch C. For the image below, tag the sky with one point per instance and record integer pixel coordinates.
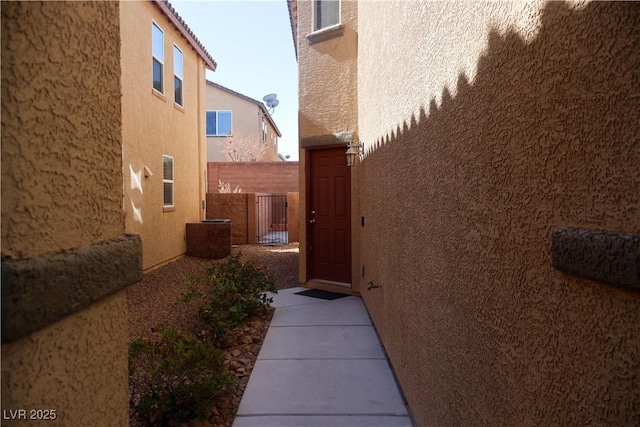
(252, 45)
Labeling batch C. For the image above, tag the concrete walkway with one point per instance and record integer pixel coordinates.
(321, 364)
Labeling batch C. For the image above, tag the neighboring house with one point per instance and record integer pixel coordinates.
(66, 259)
(499, 138)
(238, 128)
(164, 145)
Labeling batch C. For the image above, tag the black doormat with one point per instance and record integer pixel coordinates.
(319, 293)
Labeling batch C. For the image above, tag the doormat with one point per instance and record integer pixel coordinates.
(319, 293)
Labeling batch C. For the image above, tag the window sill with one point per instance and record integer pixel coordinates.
(159, 94)
(168, 208)
(326, 34)
(219, 136)
(178, 107)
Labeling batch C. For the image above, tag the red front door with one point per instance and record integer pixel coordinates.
(330, 216)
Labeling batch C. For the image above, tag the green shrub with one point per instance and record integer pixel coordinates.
(234, 291)
(176, 379)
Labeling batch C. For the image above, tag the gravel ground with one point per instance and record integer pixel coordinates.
(156, 299)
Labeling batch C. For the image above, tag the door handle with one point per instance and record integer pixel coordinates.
(313, 212)
(312, 221)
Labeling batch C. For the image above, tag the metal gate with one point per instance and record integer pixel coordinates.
(272, 220)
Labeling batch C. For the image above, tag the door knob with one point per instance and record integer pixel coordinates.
(312, 221)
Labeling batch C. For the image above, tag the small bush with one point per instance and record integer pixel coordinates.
(176, 379)
(234, 291)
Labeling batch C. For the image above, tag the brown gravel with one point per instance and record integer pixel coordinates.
(156, 299)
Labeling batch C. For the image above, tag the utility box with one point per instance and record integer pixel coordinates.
(209, 239)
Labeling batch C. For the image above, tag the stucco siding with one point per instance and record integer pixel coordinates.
(62, 190)
(76, 367)
(327, 81)
(61, 147)
(154, 126)
(487, 125)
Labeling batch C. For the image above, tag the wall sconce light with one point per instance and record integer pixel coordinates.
(355, 149)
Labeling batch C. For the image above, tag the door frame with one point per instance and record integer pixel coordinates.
(314, 282)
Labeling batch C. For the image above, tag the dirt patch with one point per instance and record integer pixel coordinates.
(157, 299)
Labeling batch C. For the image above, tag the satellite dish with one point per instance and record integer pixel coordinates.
(268, 99)
(271, 100)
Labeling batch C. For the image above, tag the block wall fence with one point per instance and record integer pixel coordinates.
(254, 177)
(242, 210)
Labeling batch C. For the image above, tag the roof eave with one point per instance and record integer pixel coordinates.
(292, 5)
(186, 32)
(247, 98)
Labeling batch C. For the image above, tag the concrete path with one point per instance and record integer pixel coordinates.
(321, 364)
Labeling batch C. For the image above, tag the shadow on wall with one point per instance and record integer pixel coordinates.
(547, 135)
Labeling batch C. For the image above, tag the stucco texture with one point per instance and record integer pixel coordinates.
(487, 126)
(77, 367)
(62, 189)
(61, 148)
(327, 87)
(153, 126)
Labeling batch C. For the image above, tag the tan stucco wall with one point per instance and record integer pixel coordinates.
(327, 77)
(77, 367)
(245, 122)
(154, 126)
(61, 189)
(327, 97)
(61, 162)
(525, 119)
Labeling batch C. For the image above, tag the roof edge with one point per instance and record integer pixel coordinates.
(292, 5)
(186, 32)
(248, 98)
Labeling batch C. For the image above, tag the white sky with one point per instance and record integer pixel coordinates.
(252, 44)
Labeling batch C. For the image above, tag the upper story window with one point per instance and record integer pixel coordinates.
(177, 75)
(264, 131)
(219, 123)
(326, 13)
(326, 21)
(157, 53)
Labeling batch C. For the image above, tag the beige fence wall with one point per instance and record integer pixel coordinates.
(241, 209)
(255, 177)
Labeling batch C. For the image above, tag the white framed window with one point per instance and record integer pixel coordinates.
(326, 13)
(167, 181)
(157, 54)
(219, 123)
(177, 75)
(264, 132)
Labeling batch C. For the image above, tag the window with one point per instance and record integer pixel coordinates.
(157, 51)
(219, 123)
(177, 75)
(167, 180)
(264, 131)
(326, 13)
